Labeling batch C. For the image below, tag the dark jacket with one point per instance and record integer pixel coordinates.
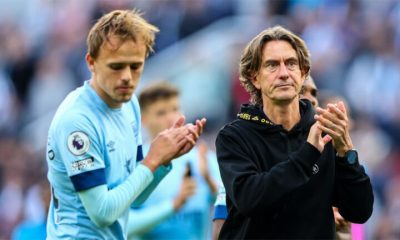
(280, 186)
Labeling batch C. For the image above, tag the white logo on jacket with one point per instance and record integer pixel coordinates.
(315, 169)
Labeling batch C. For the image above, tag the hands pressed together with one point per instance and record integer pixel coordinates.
(333, 121)
(173, 142)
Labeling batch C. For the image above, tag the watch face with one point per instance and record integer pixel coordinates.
(351, 156)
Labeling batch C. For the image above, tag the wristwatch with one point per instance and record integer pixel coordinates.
(350, 157)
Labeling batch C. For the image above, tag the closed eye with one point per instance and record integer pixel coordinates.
(116, 66)
(120, 66)
(135, 66)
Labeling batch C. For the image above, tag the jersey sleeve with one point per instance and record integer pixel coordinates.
(78, 145)
(220, 210)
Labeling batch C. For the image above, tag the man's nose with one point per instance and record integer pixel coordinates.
(283, 71)
(126, 74)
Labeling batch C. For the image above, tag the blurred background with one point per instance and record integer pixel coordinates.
(355, 48)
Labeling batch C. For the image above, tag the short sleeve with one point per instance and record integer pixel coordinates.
(220, 210)
(221, 197)
(78, 146)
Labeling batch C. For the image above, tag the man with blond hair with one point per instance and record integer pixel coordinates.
(282, 165)
(94, 150)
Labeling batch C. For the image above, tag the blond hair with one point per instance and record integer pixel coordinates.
(251, 59)
(125, 24)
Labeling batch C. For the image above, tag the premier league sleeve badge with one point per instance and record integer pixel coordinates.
(78, 143)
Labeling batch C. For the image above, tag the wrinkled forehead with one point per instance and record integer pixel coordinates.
(278, 50)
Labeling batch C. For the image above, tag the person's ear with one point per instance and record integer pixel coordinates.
(256, 82)
(305, 74)
(90, 62)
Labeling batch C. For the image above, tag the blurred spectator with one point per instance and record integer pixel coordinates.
(8, 104)
(180, 205)
(51, 81)
(157, 12)
(194, 17)
(35, 228)
(13, 163)
(20, 63)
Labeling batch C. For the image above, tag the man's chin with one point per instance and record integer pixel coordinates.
(125, 99)
(285, 99)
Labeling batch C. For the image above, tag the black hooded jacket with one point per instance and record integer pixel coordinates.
(279, 186)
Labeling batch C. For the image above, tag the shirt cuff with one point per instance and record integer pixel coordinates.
(145, 172)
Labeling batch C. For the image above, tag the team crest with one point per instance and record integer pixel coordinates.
(50, 154)
(78, 143)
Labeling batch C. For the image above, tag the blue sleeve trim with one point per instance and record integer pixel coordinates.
(89, 179)
(139, 155)
(220, 212)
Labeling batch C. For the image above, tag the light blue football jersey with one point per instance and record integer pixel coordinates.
(89, 144)
(192, 221)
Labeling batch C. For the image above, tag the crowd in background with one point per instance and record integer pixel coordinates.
(355, 49)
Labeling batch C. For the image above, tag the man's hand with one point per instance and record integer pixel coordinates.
(203, 161)
(166, 145)
(315, 137)
(334, 122)
(190, 139)
(173, 142)
(187, 189)
(339, 220)
(203, 166)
